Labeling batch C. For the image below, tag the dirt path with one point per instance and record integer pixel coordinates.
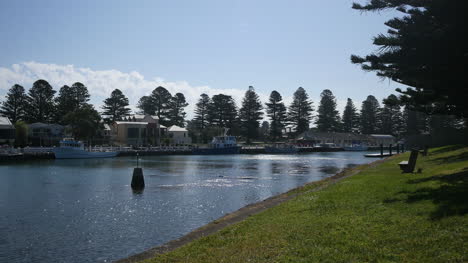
(245, 212)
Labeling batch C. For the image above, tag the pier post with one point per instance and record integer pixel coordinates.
(381, 149)
(390, 149)
(398, 148)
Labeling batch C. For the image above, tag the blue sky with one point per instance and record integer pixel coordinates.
(191, 46)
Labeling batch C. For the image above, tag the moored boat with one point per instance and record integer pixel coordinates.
(220, 145)
(71, 149)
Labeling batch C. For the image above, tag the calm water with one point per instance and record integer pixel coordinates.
(85, 211)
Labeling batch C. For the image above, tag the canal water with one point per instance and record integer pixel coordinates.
(85, 210)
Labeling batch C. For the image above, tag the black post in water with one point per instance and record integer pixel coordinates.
(381, 149)
(390, 149)
(398, 148)
(138, 181)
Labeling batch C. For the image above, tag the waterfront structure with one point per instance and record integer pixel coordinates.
(136, 130)
(7, 131)
(45, 134)
(178, 135)
(343, 139)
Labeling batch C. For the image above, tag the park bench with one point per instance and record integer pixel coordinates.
(408, 166)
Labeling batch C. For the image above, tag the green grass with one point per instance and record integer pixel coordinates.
(377, 215)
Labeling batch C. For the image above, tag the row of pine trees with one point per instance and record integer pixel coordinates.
(71, 107)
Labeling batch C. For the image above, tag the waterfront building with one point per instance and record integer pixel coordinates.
(136, 130)
(7, 131)
(45, 134)
(178, 135)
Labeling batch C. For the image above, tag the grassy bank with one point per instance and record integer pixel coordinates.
(378, 214)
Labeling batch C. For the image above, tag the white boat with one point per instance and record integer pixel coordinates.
(356, 147)
(71, 149)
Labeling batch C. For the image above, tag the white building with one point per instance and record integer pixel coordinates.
(178, 135)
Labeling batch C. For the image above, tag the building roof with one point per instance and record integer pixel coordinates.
(6, 123)
(175, 128)
(131, 122)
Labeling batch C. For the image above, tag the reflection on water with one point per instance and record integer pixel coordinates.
(85, 210)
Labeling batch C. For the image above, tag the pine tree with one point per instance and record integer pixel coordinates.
(85, 121)
(14, 107)
(176, 110)
(300, 111)
(415, 122)
(423, 51)
(70, 99)
(147, 105)
(350, 119)
(40, 102)
(115, 107)
(370, 115)
(201, 111)
(222, 111)
(328, 117)
(250, 114)
(391, 117)
(276, 111)
(162, 99)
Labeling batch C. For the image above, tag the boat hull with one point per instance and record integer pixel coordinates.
(209, 151)
(81, 154)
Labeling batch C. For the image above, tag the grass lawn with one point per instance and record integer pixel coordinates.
(378, 215)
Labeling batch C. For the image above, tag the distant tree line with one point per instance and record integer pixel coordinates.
(213, 115)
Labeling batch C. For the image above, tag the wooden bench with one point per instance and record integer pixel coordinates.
(408, 166)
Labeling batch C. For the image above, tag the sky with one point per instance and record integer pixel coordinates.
(210, 46)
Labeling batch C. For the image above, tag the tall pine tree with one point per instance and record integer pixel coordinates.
(14, 107)
(222, 111)
(250, 114)
(40, 106)
(147, 105)
(162, 100)
(70, 99)
(201, 111)
(176, 110)
(276, 111)
(370, 110)
(350, 119)
(115, 107)
(328, 118)
(300, 111)
(391, 117)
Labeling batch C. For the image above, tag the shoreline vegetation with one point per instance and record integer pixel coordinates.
(371, 212)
